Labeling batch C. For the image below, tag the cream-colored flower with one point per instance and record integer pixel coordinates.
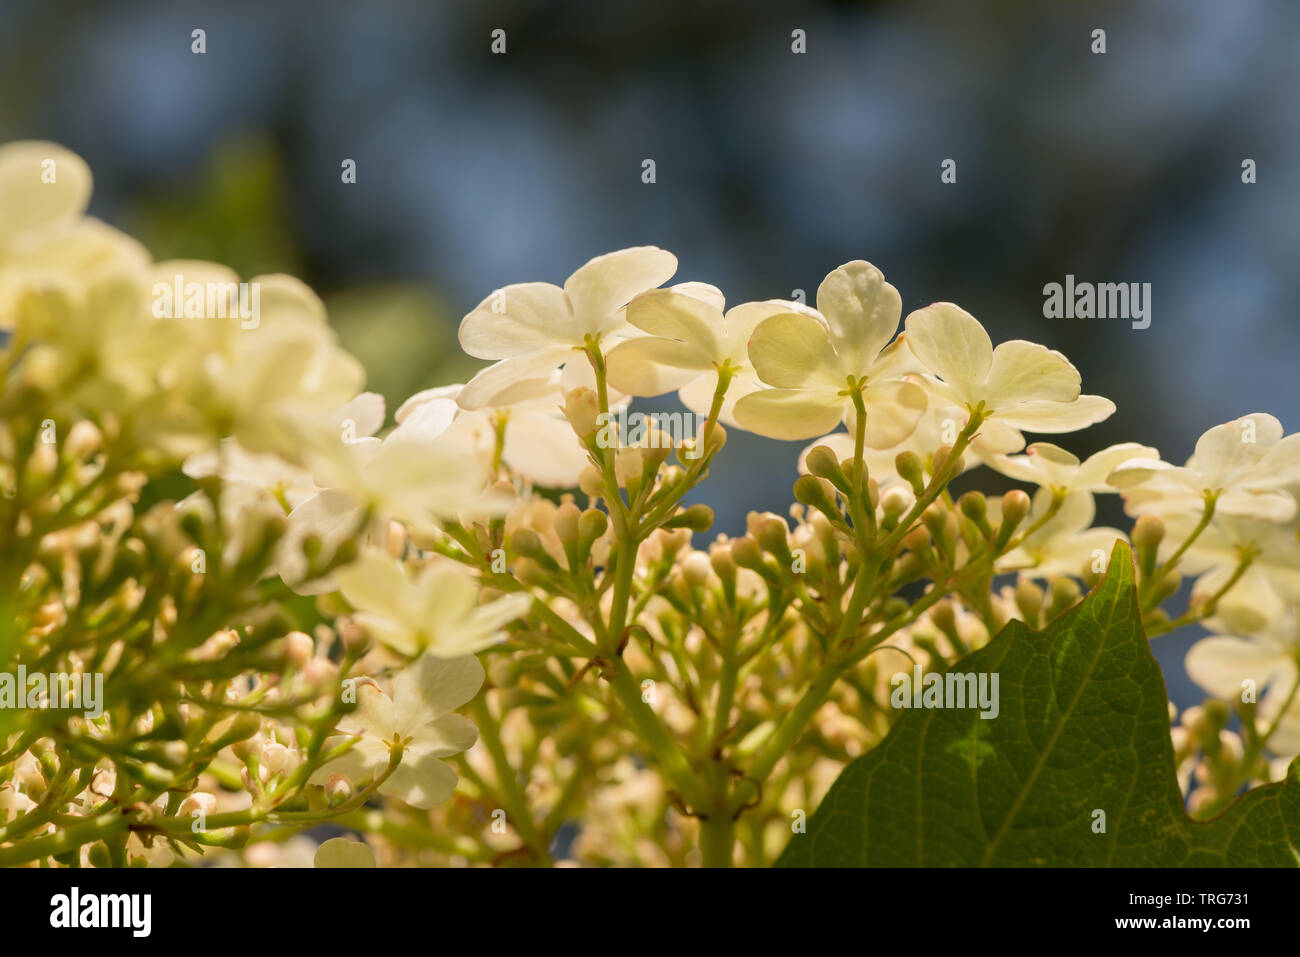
(45, 236)
(690, 342)
(1019, 385)
(1223, 664)
(532, 328)
(432, 608)
(1051, 466)
(1066, 542)
(1246, 464)
(1269, 584)
(537, 442)
(420, 716)
(813, 361)
(358, 420)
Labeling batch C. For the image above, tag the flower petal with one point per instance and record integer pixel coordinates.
(952, 344)
(1222, 663)
(421, 781)
(41, 184)
(543, 449)
(1055, 417)
(653, 366)
(862, 311)
(791, 350)
(514, 380)
(893, 409)
(671, 314)
(1027, 372)
(607, 283)
(517, 320)
(790, 413)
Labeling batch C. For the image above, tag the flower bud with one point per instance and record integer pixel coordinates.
(83, 441)
(582, 409)
(628, 466)
(338, 790)
(1148, 531)
(567, 518)
(1064, 594)
(200, 801)
(526, 543)
(822, 463)
(697, 518)
(976, 508)
(939, 461)
(591, 482)
(894, 502)
(911, 470)
(724, 566)
(298, 649)
(591, 525)
(697, 569)
(746, 553)
(814, 491)
(1029, 599)
(1015, 506)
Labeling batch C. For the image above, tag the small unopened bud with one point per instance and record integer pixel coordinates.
(628, 465)
(697, 518)
(83, 441)
(526, 543)
(697, 569)
(822, 463)
(338, 790)
(911, 470)
(591, 482)
(746, 553)
(200, 801)
(1015, 506)
(896, 500)
(592, 525)
(567, 518)
(976, 508)
(939, 461)
(298, 649)
(815, 491)
(1064, 593)
(1029, 599)
(582, 409)
(1148, 531)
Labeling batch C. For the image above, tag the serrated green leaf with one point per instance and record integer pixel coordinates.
(1083, 726)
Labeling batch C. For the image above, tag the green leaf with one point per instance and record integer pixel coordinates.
(1083, 726)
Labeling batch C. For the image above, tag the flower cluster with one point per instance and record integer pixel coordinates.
(288, 601)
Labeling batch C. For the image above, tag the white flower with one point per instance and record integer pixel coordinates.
(814, 361)
(1246, 464)
(1270, 582)
(691, 340)
(419, 715)
(291, 484)
(1221, 664)
(1065, 543)
(1019, 385)
(1053, 467)
(539, 444)
(534, 327)
(45, 236)
(434, 607)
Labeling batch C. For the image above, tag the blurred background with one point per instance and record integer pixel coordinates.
(474, 170)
